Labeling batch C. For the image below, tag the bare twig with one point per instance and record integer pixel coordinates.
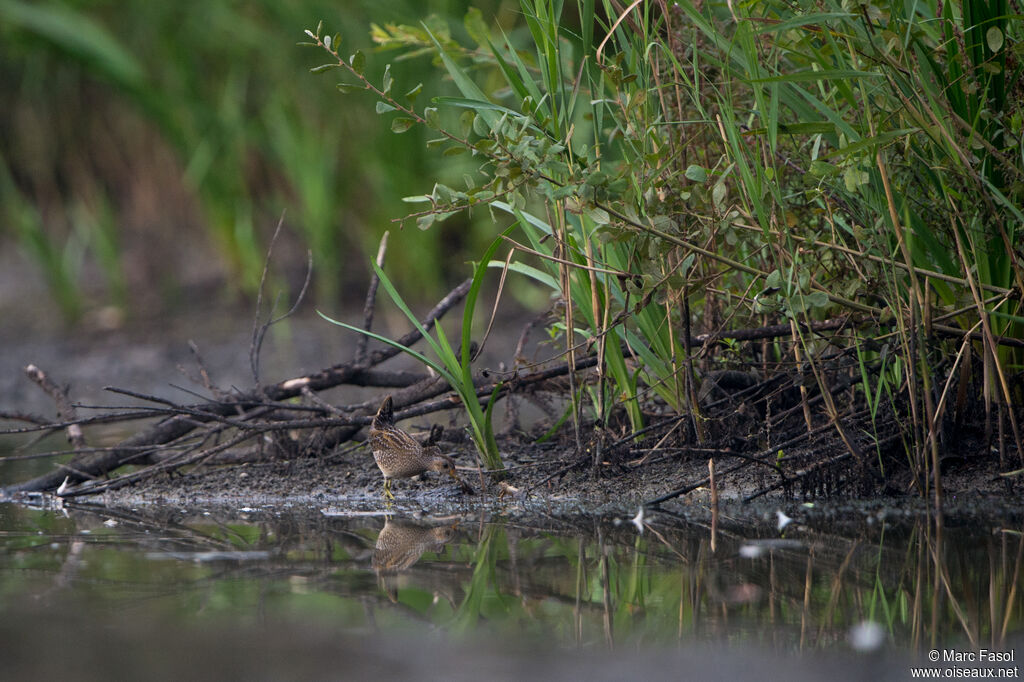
(65, 410)
(204, 375)
(168, 465)
(25, 417)
(370, 304)
(245, 407)
(317, 400)
(259, 331)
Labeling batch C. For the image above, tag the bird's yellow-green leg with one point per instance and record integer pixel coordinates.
(387, 489)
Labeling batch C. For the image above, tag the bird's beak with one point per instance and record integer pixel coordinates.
(465, 486)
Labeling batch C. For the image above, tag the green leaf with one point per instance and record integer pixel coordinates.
(994, 38)
(384, 107)
(480, 124)
(696, 173)
(466, 123)
(383, 339)
(870, 143)
(854, 178)
(815, 19)
(817, 299)
(414, 93)
(401, 124)
(323, 67)
(598, 215)
(358, 62)
(465, 84)
(522, 82)
(479, 105)
(529, 271)
(718, 193)
(471, 296)
(822, 168)
(475, 26)
(819, 75)
(431, 117)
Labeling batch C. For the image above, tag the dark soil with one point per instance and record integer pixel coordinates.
(546, 479)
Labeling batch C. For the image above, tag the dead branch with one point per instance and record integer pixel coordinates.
(234, 412)
(259, 331)
(65, 410)
(759, 458)
(371, 299)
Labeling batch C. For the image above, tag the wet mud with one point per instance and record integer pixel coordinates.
(539, 483)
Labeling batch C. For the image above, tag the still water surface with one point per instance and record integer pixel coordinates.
(526, 583)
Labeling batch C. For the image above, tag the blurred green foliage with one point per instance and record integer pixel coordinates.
(137, 135)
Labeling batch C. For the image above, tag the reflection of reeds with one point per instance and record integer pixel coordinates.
(1011, 584)
(580, 584)
(606, 594)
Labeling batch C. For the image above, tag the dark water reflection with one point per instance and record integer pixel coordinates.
(578, 583)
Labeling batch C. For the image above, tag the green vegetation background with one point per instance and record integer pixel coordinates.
(146, 147)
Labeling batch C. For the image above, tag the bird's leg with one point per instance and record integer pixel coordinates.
(387, 489)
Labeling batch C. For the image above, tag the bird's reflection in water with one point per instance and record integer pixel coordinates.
(403, 541)
(400, 545)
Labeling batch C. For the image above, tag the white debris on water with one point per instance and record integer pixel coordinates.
(866, 636)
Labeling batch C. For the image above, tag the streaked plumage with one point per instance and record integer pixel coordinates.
(399, 455)
(402, 542)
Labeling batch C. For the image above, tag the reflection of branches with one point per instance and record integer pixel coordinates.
(1011, 597)
(614, 584)
(938, 557)
(836, 590)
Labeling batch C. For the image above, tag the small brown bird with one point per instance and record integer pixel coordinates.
(399, 455)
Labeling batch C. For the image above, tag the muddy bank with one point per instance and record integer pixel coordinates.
(539, 483)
